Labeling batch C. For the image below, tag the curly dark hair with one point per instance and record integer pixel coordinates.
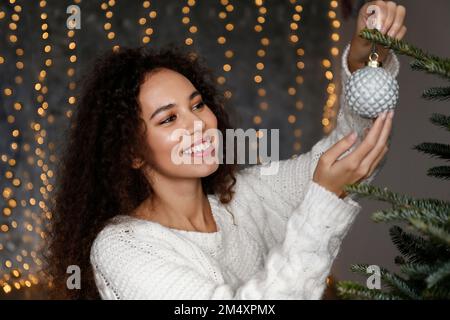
(95, 179)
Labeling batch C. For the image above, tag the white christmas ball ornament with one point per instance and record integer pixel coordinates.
(371, 90)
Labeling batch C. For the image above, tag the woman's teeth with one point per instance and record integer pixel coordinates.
(198, 148)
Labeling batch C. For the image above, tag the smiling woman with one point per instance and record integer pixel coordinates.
(120, 142)
(141, 226)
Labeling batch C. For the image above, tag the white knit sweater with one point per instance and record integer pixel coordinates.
(285, 235)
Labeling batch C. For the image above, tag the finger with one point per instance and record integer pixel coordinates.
(390, 16)
(369, 141)
(330, 156)
(367, 163)
(401, 33)
(376, 14)
(400, 14)
(377, 161)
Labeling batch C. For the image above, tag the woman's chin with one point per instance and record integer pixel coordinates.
(201, 170)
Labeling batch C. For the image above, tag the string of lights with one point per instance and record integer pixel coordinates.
(145, 22)
(71, 71)
(110, 34)
(186, 20)
(294, 39)
(261, 53)
(222, 40)
(329, 110)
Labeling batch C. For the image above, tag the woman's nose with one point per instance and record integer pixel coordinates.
(193, 123)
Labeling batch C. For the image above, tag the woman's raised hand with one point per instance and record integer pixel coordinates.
(333, 174)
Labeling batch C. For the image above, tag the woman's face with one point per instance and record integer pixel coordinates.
(176, 118)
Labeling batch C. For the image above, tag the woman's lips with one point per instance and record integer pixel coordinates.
(201, 153)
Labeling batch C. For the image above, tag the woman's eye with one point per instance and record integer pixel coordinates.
(167, 120)
(199, 105)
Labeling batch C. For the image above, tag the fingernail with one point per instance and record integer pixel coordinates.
(383, 115)
(391, 114)
(352, 136)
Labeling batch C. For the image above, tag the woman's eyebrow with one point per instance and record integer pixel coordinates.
(171, 105)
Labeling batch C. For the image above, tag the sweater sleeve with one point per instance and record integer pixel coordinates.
(296, 268)
(291, 176)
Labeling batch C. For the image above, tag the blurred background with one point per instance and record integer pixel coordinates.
(277, 62)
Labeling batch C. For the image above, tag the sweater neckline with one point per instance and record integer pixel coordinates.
(194, 234)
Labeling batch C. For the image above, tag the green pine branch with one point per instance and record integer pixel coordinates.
(425, 260)
(416, 248)
(397, 200)
(439, 150)
(425, 61)
(440, 120)
(417, 270)
(441, 172)
(437, 232)
(350, 290)
(431, 67)
(442, 273)
(437, 293)
(437, 93)
(402, 214)
(400, 286)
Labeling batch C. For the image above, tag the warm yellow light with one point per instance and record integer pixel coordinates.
(334, 51)
(7, 288)
(257, 119)
(335, 37)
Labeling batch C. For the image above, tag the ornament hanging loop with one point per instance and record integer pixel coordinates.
(373, 58)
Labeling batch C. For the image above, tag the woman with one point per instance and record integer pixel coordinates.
(142, 227)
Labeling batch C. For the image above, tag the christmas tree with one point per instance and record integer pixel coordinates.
(424, 259)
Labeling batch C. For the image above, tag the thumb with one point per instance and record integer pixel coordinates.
(340, 147)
